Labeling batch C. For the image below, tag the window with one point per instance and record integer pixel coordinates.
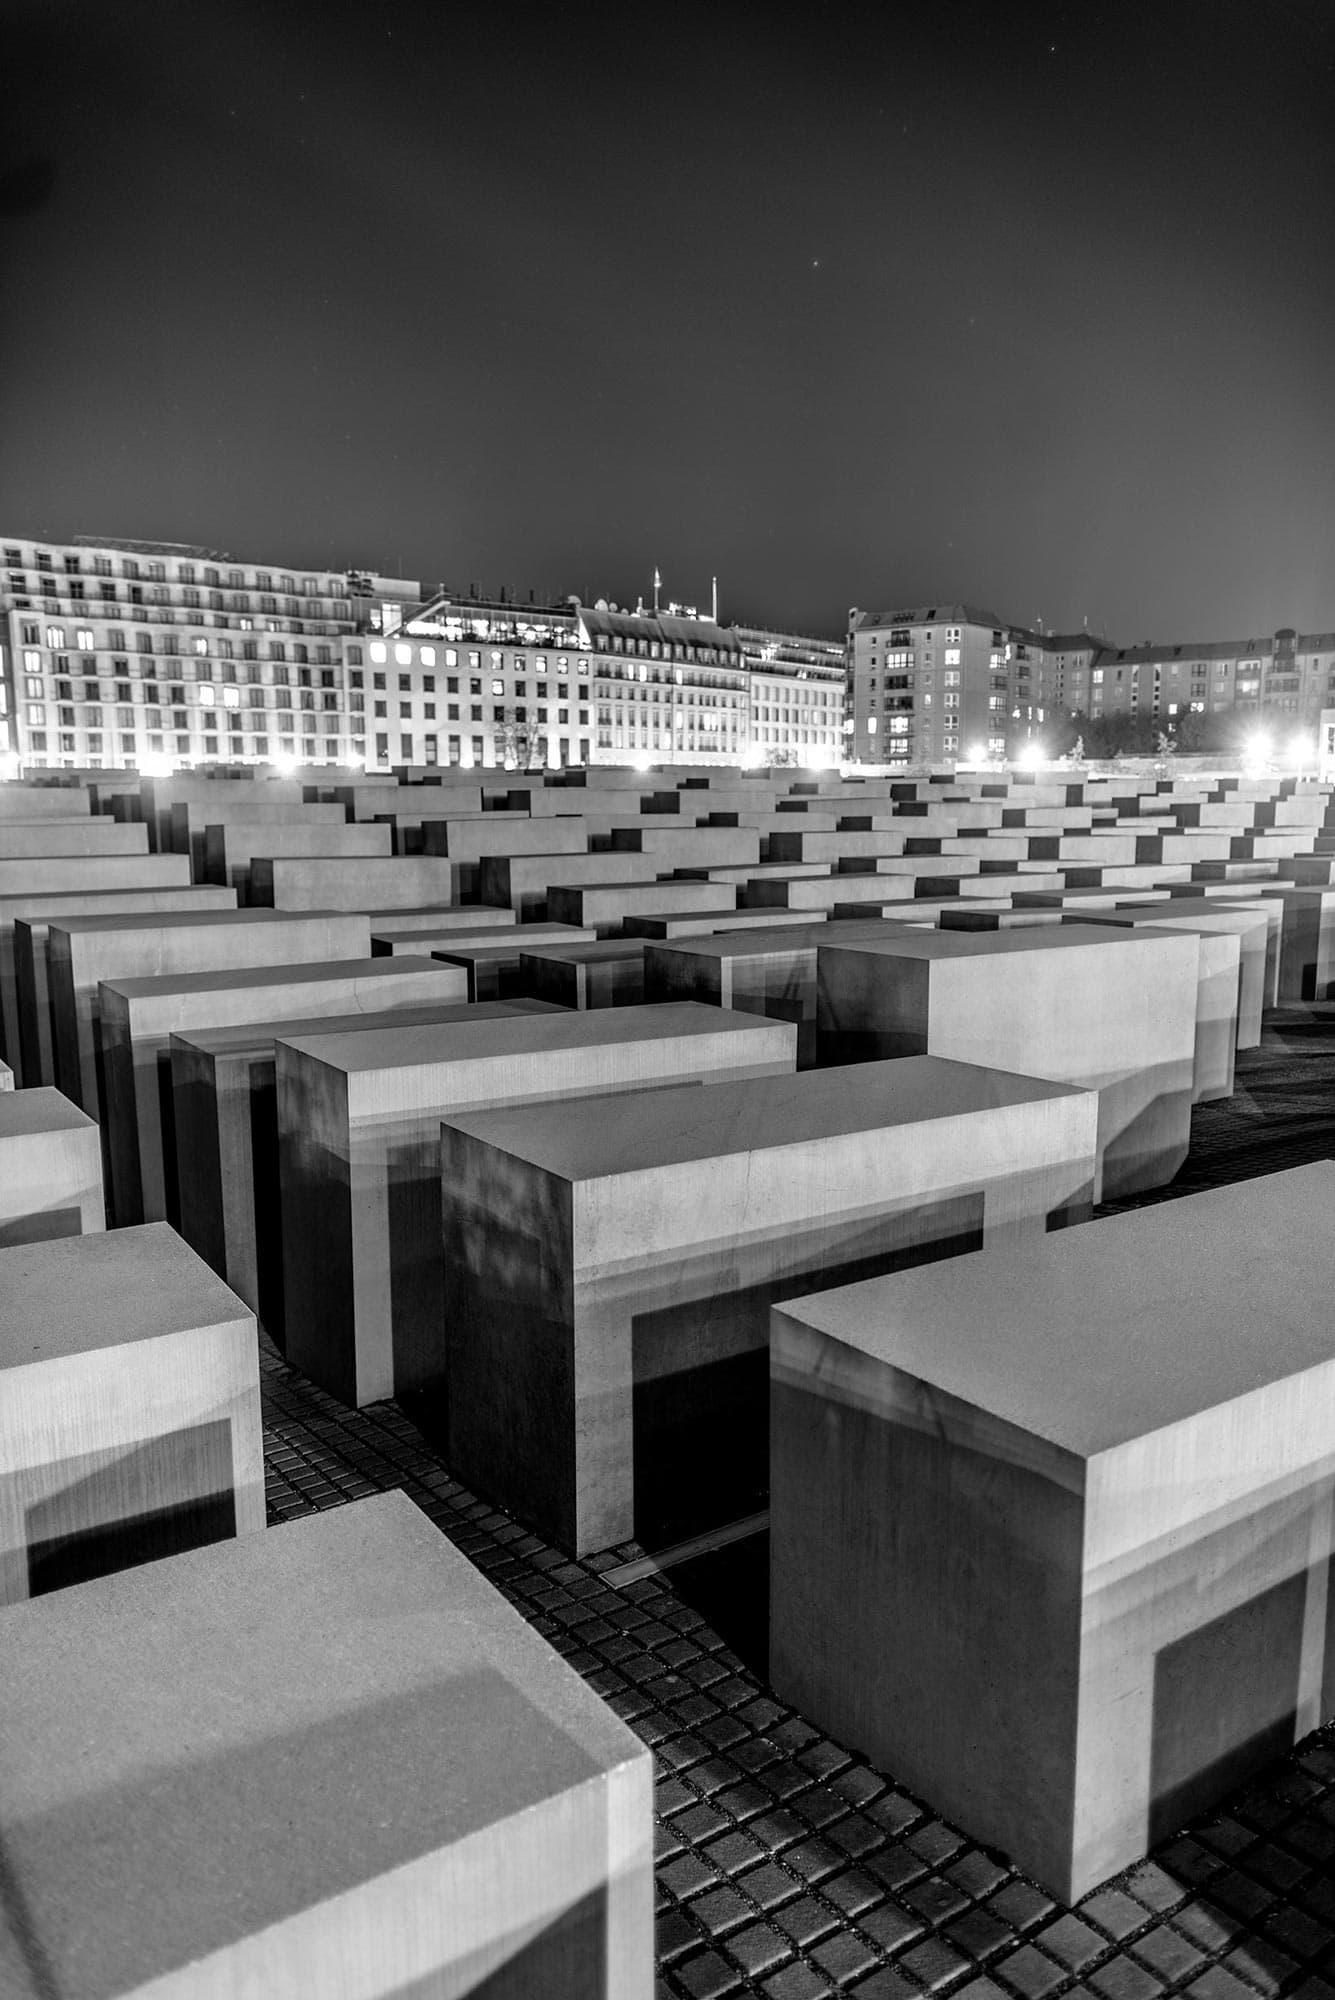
(55, 637)
(427, 654)
(379, 653)
(403, 656)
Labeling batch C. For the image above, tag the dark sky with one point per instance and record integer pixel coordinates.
(1031, 307)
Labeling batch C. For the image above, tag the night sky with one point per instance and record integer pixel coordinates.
(1034, 308)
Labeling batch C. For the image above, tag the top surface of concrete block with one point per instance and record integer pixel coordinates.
(592, 1138)
(25, 1113)
(365, 1051)
(901, 942)
(330, 972)
(79, 1293)
(234, 1701)
(179, 920)
(1099, 1335)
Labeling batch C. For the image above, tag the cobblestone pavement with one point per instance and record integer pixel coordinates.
(789, 1869)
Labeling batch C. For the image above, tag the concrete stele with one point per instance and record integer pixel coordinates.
(1051, 1529)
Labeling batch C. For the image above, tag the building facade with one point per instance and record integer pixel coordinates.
(935, 683)
(122, 653)
(931, 683)
(797, 694)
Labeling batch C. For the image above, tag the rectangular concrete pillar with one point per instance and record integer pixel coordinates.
(1051, 1526)
(228, 1698)
(612, 1262)
(129, 1408)
(1112, 1010)
(50, 1168)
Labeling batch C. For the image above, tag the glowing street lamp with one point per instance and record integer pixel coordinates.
(1032, 755)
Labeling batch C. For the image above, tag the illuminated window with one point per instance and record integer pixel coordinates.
(379, 652)
(952, 656)
(427, 655)
(498, 687)
(403, 656)
(55, 636)
(231, 697)
(206, 695)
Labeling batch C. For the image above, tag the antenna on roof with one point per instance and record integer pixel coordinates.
(658, 585)
(714, 599)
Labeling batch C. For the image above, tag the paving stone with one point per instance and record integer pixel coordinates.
(708, 1977)
(806, 1920)
(797, 1982)
(769, 1886)
(1168, 1952)
(1021, 1905)
(978, 1933)
(935, 1963)
(975, 1872)
(675, 1934)
(1261, 1964)
(759, 1949)
(1122, 1978)
(892, 1926)
(687, 1876)
(852, 1891)
(888, 1985)
(1030, 1973)
(935, 1900)
(733, 1852)
(1116, 1914)
(844, 1956)
(1217, 1983)
(721, 1910)
(1072, 1942)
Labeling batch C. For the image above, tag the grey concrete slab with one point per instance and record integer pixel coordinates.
(604, 906)
(466, 841)
(613, 1266)
(689, 846)
(233, 1702)
(521, 881)
(367, 883)
(157, 797)
(471, 916)
(137, 1017)
(1253, 924)
(1050, 1526)
(188, 819)
(25, 1027)
(1307, 950)
(83, 951)
(606, 973)
(494, 970)
(1114, 1010)
(224, 1106)
(129, 1408)
(50, 1168)
(359, 1155)
(78, 874)
(701, 923)
(772, 973)
(52, 802)
(45, 838)
(230, 849)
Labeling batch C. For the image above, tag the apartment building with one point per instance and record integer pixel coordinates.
(932, 683)
(117, 653)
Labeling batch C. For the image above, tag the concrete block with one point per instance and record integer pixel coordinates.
(225, 1114)
(1307, 950)
(1113, 1010)
(188, 820)
(27, 839)
(1051, 1527)
(137, 1016)
(129, 1408)
(521, 881)
(43, 802)
(230, 849)
(50, 1168)
(1252, 925)
(603, 906)
(609, 973)
(366, 883)
(466, 841)
(701, 923)
(25, 997)
(609, 1267)
(84, 951)
(359, 1157)
(762, 972)
(235, 1703)
(493, 970)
